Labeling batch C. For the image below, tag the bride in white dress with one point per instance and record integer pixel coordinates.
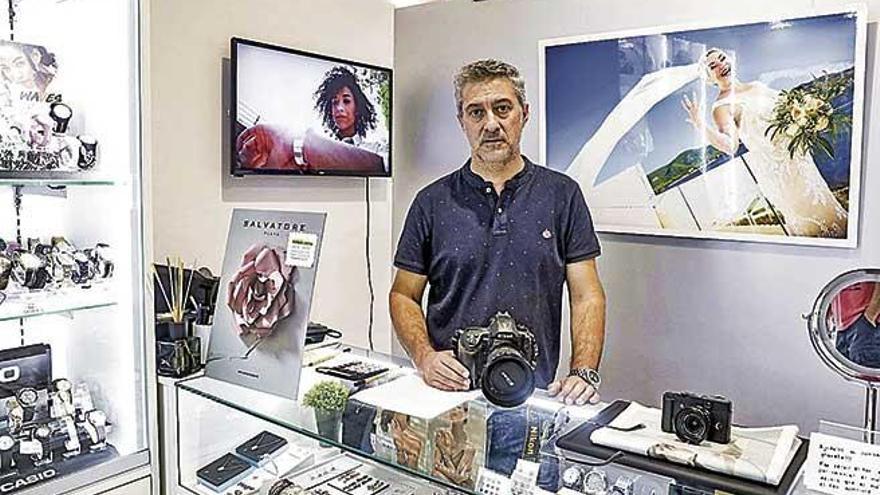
(794, 186)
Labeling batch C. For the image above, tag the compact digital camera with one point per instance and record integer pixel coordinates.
(697, 418)
(501, 359)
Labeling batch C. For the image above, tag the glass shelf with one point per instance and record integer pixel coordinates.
(31, 305)
(8, 178)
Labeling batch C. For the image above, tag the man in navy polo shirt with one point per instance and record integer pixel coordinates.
(499, 234)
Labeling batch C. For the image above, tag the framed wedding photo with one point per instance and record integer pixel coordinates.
(749, 131)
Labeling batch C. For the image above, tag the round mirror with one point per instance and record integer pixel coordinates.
(845, 325)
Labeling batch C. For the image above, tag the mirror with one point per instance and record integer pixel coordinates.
(845, 325)
(844, 328)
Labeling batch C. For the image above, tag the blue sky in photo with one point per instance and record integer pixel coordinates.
(584, 81)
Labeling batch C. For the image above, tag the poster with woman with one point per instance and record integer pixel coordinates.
(725, 132)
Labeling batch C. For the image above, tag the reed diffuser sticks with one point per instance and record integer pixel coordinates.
(179, 293)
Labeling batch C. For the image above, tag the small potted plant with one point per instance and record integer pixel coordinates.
(328, 399)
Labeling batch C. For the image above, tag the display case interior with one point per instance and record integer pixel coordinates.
(466, 446)
(225, 450)
(71, 224)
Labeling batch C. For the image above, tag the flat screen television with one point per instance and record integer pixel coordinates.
(298, 113)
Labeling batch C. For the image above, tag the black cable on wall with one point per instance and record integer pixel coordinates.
(369, 268)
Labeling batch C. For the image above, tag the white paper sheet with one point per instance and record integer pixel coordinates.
(410, 395)
(841, 466)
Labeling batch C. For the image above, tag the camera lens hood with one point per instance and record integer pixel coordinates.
(508, 380)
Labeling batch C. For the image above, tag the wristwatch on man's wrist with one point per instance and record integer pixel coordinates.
(588, 375)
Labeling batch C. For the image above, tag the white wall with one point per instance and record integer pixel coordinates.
(192, 192)
(707, 316)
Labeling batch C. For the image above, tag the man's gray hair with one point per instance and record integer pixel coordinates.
(487, 70)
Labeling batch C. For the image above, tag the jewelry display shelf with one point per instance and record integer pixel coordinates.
(43, 303)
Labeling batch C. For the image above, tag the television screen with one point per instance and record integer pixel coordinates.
(297, 113)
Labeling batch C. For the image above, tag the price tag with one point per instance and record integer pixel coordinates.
(839, 466)
(31, 308)
(301, 248)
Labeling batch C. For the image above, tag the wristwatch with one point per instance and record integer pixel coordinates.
(62, 398)
(32, 271)
(72, 444)
(596, 482)
(61, 114)
(41, 453)
(5, 270)
(103, 266)
(96, 426)
(7, 453)
(14, 415)
(27, 398)
(298, 155)
(588, 375)
(573, 478)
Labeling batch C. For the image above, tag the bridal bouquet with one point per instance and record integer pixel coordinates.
(805, 117)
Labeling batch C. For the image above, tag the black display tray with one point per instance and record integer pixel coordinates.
(578, 441)
(28, 476)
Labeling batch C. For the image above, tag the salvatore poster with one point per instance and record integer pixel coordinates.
(746, 131)
(265, 295)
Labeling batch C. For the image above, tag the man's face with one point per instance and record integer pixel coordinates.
(492, 120)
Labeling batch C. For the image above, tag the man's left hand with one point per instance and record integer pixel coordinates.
(573, 390)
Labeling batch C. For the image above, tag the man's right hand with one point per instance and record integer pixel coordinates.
(442, 371)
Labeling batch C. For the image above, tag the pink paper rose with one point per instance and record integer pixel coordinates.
(260, 294)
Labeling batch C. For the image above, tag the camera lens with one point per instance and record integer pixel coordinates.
(692, 425)
(509, 379)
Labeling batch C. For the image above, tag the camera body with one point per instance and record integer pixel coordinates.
(697, 418)
(501, 359)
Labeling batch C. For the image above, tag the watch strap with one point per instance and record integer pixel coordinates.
(589, 375)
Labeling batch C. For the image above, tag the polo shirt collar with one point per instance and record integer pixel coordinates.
(514, 182)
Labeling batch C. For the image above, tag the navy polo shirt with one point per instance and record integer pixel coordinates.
(484, 253)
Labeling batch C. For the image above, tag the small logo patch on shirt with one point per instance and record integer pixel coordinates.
(546, 234)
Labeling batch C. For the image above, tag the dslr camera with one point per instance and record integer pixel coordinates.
(697, 418)
(501, 359)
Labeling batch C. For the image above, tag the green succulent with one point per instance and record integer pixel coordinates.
(327, 395)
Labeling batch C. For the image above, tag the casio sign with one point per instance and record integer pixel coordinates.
(28, 480)
(10, 374)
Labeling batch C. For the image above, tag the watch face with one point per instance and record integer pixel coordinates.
(97, 417)
(62, 385)
(42, 432)
(571, 476)
(30, 261)
(595, 483)
(27, 397)
(594, 378)
(6, 442)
